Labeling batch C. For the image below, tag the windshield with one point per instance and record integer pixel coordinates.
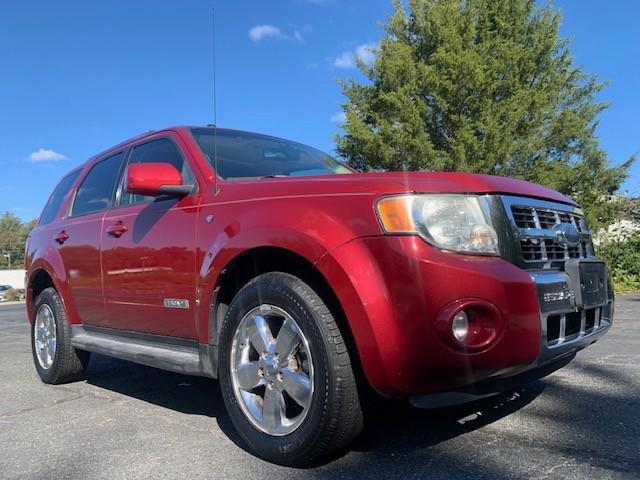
(249, 155)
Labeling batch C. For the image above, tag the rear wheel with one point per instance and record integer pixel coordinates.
(285, 372)
(55, 359)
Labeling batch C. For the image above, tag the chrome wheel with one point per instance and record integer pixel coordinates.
(272, 370)
(44, 336)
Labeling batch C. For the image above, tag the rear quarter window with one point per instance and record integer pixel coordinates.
(54, 203)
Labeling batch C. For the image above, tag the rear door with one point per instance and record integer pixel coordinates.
(148, 252)
(78, 237)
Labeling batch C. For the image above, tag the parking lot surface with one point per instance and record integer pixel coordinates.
(133, 422)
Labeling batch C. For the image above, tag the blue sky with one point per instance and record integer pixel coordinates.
(79, 76)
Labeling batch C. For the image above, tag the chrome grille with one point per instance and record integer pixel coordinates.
(531, 249)
(554, 250)
(532, 217)
(568, 326)
(547, 218)
(535, 221)
(523, 216)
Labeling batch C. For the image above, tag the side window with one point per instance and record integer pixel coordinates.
(161, 150)
(55, 200)
(96, 190)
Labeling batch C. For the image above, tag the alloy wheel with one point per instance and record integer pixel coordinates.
(272, 370)
(44, 333)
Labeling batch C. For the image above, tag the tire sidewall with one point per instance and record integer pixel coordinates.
(47, 298)
(284, 295)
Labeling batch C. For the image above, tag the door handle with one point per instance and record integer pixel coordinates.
(117, 230)
(61, 237)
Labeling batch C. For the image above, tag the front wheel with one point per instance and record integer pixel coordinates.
(285, 372)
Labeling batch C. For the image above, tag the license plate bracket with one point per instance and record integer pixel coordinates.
(590, 283)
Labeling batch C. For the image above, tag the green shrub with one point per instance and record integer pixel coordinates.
(623, 262)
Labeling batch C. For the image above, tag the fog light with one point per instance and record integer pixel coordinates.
(460, 325)
(470, 325)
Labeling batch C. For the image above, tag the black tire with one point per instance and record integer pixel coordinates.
(334, 418)
(69, 364)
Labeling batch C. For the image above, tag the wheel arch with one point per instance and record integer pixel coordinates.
(39, 280)
(42, 275)
(259, 260)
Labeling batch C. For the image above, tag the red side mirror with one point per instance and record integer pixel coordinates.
(155, 179)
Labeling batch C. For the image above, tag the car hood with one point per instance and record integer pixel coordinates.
(398, 182)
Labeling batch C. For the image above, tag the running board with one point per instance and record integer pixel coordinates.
(167, 353)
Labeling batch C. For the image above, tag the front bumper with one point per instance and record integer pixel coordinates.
(553, 356)
(568, 324)
(557, 349)
(491, 386)
(392, 289)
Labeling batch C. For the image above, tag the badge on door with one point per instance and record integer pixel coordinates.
(176, 303)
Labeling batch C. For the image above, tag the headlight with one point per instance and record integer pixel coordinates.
(459, 223)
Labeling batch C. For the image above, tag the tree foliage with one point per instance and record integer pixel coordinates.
(481, 86)
(623, 261)
(13, 235)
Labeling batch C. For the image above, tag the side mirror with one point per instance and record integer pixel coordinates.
(155, 179)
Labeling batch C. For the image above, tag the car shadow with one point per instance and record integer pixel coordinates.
(182, 393)
(395, 428)
(398, 427)
(587, 412)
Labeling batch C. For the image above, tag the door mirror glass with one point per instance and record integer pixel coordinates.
(155, 179)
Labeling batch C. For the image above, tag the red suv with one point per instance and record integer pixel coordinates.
(289, 277)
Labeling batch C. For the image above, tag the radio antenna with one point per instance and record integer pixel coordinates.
(213, 49)
(215, 98)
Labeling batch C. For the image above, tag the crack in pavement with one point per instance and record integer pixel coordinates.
(40, 407)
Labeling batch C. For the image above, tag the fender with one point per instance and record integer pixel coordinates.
(226, 247)
(50, 261)
(308, 225)
(355, 277)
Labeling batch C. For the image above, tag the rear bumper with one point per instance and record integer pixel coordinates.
(392, 290)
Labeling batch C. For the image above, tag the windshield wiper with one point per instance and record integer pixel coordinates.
(277, 175)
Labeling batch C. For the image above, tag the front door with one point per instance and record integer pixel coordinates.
(148, 254)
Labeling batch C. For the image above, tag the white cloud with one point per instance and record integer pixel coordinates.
(366, 53)
(260, 32)
(344, 60)
(297, 36)
(44, 155)
(338, 118)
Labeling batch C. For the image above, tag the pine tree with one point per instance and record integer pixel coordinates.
(481, 86)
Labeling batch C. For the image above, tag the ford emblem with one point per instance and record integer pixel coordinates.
(567, 234)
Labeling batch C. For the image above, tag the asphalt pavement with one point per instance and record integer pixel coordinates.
(133, 422)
